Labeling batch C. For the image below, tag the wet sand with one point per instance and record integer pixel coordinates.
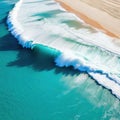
(100, 14)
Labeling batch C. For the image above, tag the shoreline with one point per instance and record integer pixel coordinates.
(86, 18)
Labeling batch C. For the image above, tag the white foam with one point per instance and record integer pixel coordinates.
(103, 78)
(104, 81)
(16, 28)
(86, 49)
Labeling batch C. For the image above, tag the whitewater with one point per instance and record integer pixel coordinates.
(87, 49)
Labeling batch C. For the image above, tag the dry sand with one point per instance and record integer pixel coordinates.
(102, 14)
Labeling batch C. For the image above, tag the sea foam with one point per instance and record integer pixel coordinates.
(16, 28)
(85, 48)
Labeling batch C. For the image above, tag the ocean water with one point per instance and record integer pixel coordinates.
(33, 87)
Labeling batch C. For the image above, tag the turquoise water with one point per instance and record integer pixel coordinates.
(33, 88)
(84, 48)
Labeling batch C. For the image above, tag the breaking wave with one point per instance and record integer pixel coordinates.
(79, 45)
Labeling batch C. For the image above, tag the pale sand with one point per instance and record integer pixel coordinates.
(102, 14)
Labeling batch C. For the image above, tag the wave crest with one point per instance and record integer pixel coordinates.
(82, 47)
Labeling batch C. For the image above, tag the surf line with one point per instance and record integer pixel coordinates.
(16, 30)
(99, 76)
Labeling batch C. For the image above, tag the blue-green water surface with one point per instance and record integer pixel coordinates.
(33, 88)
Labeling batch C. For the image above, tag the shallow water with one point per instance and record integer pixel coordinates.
(33, 88)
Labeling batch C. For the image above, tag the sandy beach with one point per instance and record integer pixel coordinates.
(102, 14)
